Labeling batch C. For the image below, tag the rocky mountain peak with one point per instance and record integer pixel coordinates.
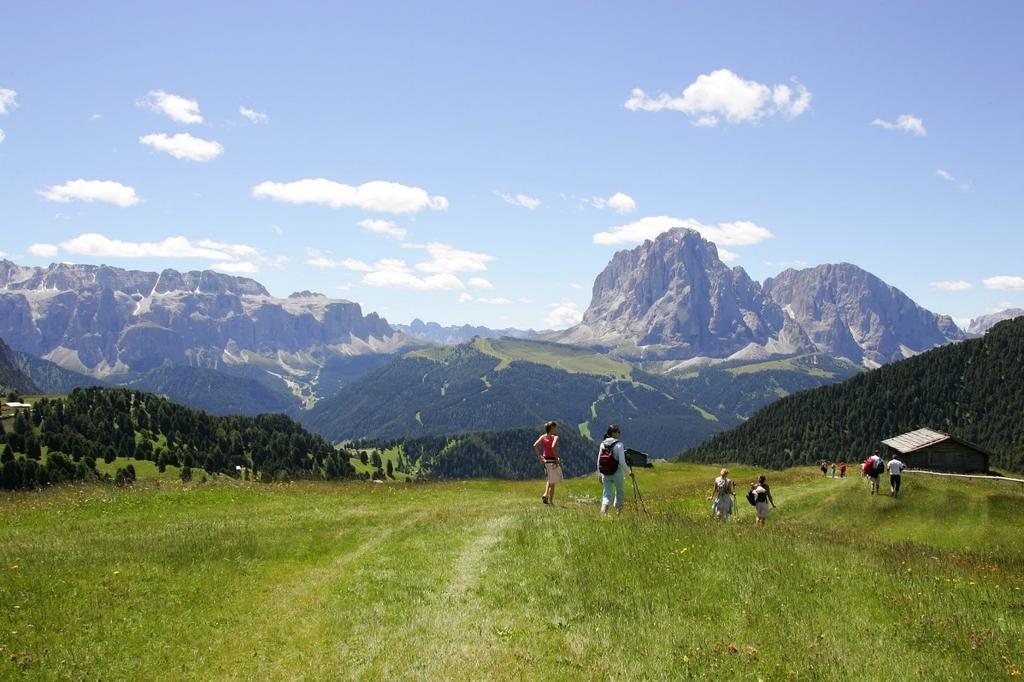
(983, 323)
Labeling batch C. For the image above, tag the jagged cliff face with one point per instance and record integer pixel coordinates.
(849, 312)
(673, 298)
(101, 320)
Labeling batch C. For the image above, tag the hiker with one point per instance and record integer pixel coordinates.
(895, 474)
(842, 469)
(762, 498)
(824, 468)
(722, 494)
(833, 469)
(546, 450)
(611, 464)
(873, 468)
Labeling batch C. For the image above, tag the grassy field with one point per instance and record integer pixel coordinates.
(478, 580)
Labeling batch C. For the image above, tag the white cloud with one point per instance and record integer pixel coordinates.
(91, 190)
(564, 314)
(277, 228)
(7, 100)
(1004, 283)
(350, 264)
(575, 285)
(722, 94)
(736, 233)
(400, 279)
(621, 203)
(384, 227)
(184, 146)
(480, 283)
(446, 258)
(175, 107)
(469, 298)
(43, 250)
(727, 256)
(101, 246)
(236, 268)
(520, 200)
(254, 116)
(3, 135)
(906, 122)
(95, 117)
(376, 195)
(948, 177)
(957, 285)
(618, 202)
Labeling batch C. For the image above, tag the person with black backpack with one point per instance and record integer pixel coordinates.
(873, 468)
(760, 496)
(611, 464)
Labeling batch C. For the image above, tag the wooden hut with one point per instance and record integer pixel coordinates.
(938, 451)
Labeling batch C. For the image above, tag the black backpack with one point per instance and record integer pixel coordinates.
(751, 497)
(878, 467)
(606, 462)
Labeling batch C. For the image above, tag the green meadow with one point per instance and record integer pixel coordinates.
(478, 580)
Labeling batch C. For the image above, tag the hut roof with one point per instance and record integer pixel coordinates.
(922, 438)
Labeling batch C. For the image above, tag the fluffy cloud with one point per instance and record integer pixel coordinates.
(618, 202)
(237, 256)
(1004, 283)
(722, 94)
(237, 268)
(351, 264)
(469, 298)
(480, 283)
(949, 285)
(403, 279)
(737, 233)
(91, 190)
(184, 146)
(7, 100)
(906, 122)
(446, 258)
(564, 314)
(43, 250)
(384, 227)
(377, 195)
(948, 177)
(254, 116)
(175, 107)
(520, 200)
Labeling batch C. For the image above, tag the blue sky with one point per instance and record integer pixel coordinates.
(494, 136)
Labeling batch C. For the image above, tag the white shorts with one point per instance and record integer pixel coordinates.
(553, 471)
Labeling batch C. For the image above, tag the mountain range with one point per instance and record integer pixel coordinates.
(672, 298)
(104, 321)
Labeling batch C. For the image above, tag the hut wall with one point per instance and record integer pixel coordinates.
(949, 457)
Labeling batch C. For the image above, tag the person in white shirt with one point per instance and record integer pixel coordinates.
(614, 484)
(895, 474)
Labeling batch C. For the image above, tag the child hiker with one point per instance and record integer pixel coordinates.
(546, 450)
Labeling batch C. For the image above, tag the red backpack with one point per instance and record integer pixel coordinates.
(606, 462)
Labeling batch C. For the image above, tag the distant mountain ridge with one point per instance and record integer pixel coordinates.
(454, 335)
(673, 298)
(101, 321)
(983, 323)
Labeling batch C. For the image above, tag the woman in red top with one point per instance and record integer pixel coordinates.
(546, 450)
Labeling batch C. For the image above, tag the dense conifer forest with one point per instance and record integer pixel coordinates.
(104, 423)
(972, 390)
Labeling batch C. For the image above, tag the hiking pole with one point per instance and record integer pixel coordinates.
(637, 497)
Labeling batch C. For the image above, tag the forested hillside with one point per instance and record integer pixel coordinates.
(214, 391)
(497, 454)
(970, 389)
(488, 386)
(12, 378)
(61, 439)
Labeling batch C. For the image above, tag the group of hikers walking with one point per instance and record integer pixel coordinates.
(613, 467)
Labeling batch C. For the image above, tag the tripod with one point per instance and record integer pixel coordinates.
(637, 497)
